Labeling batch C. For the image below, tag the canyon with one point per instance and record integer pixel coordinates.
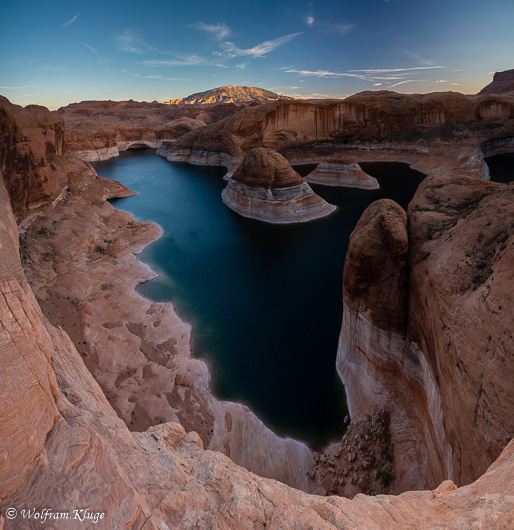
(100, 386)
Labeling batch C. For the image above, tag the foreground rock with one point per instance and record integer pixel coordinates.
(265, 187)
(362, 461)
(428, 307)
(76, 451)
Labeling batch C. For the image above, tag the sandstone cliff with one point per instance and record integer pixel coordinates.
(502, 82)
(368, 116)
(62, 443)
(426, 326)
(98, 130)
(75, 451)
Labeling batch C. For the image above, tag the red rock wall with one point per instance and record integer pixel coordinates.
(31, 140)
(440, 355)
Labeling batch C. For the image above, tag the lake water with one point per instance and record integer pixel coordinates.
(501, 167)
(265, 301)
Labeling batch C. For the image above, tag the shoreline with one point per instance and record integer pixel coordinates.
(148, 372)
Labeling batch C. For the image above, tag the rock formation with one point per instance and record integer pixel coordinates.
(341, 172)
(265, 187)
(79, 255)
(502, 82)
(426, 326)
(64, 447)
(229, 94)
(98, 130)
(75, 453)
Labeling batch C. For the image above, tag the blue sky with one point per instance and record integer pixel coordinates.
(57, 52)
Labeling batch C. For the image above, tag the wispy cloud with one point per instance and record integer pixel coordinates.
(191, 59)
(442, 81)
(220, 31)
(418, 58)
(342, 29)
(309, 20)
(89, 47)
(324, 73)
(129, 42)
(385, 70)
(15, 87)
(159, 77)
(398, 77)
(71, 21)
(316, 95)
(407, 81)
(260, 50)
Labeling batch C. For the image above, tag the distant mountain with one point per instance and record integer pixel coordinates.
(228, 94)
(502, 82)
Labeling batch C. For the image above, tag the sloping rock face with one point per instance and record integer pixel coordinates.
(426, 327)
(228, 94)
(502, 82)
(265, 187)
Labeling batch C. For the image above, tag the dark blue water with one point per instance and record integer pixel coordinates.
(265, 301)
(501, 167)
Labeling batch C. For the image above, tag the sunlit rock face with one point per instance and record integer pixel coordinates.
(264, 186)
(228, 94)
(502, 82)
(428, 306)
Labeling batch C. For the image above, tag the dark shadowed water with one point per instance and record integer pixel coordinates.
(265, 301)
(501, 167)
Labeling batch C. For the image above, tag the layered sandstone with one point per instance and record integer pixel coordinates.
(83, 454)
(98, 130)
(77, 452)
(341, 172)
(426, 326)
(79, 254)
(264, 186)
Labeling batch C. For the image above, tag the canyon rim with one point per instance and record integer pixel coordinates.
(108, 416)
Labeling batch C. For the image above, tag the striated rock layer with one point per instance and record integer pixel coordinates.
(341, 172)
(428, 307)
(98, 130)
(365, 117)
(265, 187)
